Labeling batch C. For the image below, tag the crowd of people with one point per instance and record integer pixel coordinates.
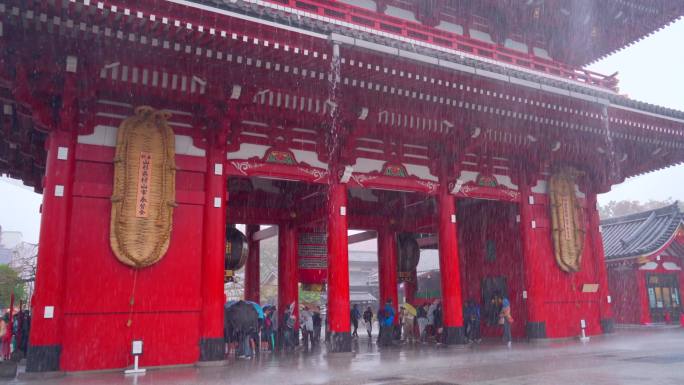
(14, 333)
(246, 335)
(249, 334)
(424, 323)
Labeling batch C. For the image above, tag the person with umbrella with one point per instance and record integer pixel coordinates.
(288, 324)
(407, 322)
(306, 321)
(242, 321)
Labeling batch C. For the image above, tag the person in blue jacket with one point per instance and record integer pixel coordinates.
(387, 324)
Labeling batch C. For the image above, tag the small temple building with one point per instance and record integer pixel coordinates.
(154, 127)
(644, 259)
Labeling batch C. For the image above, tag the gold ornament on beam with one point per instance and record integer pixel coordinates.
(144, 188)
(568, 227)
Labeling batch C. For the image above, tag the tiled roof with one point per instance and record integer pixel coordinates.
(640, 234)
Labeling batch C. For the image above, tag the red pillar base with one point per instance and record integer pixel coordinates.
(607, 325)
(340, 342)
(212, 349)
(454, 335)
(535, 329)
(43, 358)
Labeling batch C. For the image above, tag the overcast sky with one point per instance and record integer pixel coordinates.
(650, 71)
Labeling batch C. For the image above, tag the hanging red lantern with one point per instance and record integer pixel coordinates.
(312, 260)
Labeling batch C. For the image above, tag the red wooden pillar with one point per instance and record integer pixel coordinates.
(213, 254)
(252, 273)
(288, 279)
(387, 268)
(605, 307)
(645, 310)
(452, 305)
(339, 321)
(45, 341)
(533, 271)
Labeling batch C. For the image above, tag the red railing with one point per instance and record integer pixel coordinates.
(377, 21)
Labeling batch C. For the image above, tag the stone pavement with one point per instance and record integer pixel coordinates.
(644, 355)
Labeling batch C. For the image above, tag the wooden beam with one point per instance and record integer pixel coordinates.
(363, 236)
(266, 233)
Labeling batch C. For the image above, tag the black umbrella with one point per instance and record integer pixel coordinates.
(241, 316)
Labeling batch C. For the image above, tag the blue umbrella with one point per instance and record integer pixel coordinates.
(258, 308)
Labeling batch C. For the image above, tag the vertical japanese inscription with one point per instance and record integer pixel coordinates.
(144, 176)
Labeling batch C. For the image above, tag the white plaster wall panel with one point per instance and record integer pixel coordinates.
(505, 180)
(309, 157)
(482, 36)
(422, 172)
(101, 136)
(248, 150)
(400, 13)
(368, 165)
(468, 176)
(515, 45)
(542, 53)
(185, 146)
(106, 136)
(367, 4)
(540, 188)
(649, 266)
(671, 266)
(450, 27)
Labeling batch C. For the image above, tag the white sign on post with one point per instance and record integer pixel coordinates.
(136, 350)
(137, 347)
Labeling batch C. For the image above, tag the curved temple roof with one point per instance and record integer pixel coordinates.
(641, 234)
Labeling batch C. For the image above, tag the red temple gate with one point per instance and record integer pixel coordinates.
(341, 119)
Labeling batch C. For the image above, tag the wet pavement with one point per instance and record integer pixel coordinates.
(644, 355)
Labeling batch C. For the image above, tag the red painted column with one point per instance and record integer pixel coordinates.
(533, 271)
(605, 307)
(338, 270)
(387, 268)
(452, 303)
(645, 316)
(252, 273)
(45, 340)
(213, 255)
(288, 279)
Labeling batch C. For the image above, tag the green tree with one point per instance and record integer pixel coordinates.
(625, 207)
(306, 296)
(10, 282)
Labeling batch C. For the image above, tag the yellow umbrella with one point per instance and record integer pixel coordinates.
(410, 309)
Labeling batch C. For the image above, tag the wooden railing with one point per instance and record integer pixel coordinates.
(410, 30)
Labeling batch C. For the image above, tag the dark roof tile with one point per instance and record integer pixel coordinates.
(641, 233)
